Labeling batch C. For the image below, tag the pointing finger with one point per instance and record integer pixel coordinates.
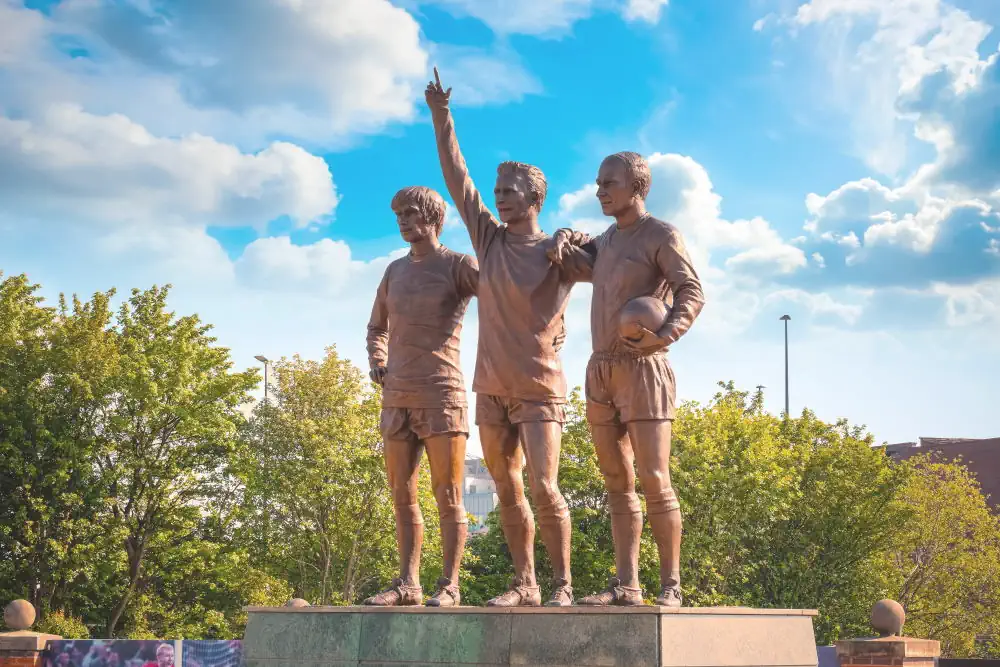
(437, 78)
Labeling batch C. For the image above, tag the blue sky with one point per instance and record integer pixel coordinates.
(836, 160)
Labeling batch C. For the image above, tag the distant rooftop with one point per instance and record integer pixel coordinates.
(980, 455)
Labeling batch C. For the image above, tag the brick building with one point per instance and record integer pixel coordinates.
(980, 455)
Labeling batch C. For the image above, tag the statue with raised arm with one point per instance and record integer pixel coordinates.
(413, 351)
(519, 382)
(639, 264)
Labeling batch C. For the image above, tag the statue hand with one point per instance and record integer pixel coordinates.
(558, 247)
(377, 375)
(558, 340)
(437, 97)
(644, 341)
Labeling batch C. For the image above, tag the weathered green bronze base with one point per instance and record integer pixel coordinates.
(549, 637)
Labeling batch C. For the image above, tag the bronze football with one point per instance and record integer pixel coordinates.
(644, 311)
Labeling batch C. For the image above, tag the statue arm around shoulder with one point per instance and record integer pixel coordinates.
(378, 333)
(574, 252)
(477, 218)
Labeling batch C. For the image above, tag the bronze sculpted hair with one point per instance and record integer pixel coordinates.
(638, 171)
(428, 202)
(532, 174)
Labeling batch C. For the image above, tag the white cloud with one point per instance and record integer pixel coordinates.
(644, 10)
(967, 305)
(324, 267)
(20, 30)
(479, 78)
(817, 304)
(69, 164)
(527, 17)
(543, 18)
(311, 71)
(877, 52)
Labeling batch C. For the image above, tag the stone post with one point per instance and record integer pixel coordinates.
(22, 648)
(890, 648)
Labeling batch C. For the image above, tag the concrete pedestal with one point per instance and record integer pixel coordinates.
(888, 652)
(23, 648)
(549, 637)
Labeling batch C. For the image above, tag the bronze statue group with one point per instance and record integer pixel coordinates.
(522, 278)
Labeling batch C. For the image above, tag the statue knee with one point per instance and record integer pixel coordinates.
(409, 515)
(508, 492)
(545, 492)
(662, 502)
(403, 495)
(516, 514)
(624, 503)
(553, 512)
(452, 513)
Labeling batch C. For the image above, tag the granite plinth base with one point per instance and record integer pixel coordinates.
(539, 637)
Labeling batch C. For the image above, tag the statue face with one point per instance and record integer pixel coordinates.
(412, 225)
(513, 196)
(615, 191)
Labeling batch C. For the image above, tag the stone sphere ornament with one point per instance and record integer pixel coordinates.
(296, 603)
(19, 615)
(888, 617)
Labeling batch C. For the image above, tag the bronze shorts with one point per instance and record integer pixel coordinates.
(625, 387)
(502, 411)
(422, 423)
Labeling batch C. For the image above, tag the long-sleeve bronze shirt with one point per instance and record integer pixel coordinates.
(647, 258)
(522, 294)
(415, 326)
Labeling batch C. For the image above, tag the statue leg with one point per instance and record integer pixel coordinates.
(447, 459)
(652, 450)
(503, 456)
(402, 463)
(542, 441)
(402, 453)
(614, 456)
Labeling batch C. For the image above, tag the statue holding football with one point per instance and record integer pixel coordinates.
(646, 296)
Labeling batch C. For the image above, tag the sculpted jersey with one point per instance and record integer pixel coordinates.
(522, 294)
(415, 327)
(647, 258)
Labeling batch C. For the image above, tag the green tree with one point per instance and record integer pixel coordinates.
(166, 429)
(793, 513)
(316, 501)
(53, 365)
(113, 432)
(777, 513)
(948, 556)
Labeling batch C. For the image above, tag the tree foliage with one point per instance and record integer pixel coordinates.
(948, 557)
(114, 429)
(139, 501)
(316, 505)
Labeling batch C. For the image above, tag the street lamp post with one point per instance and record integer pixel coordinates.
(785, 319)
(264, 360)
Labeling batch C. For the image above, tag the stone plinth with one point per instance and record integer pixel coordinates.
(23, 648)
(895, 651)
(550, 637)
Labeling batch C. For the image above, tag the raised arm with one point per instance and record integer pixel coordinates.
(477, 218)
(378, 332)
